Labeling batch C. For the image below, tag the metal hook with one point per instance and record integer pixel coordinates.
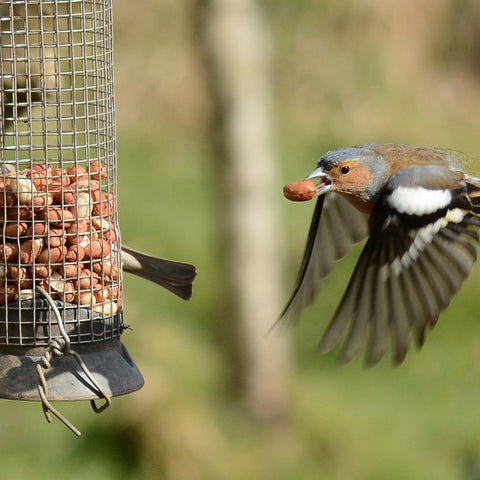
(57, 348)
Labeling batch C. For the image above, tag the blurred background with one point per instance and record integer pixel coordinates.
(219, 104)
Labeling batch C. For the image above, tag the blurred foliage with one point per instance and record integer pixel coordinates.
(344, 73)
(461, 42)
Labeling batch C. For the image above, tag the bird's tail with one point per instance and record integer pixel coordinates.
(174, 276)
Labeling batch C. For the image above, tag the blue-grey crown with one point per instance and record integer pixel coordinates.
(334, 158)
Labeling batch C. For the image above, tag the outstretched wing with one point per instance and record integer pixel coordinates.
(335, 227)
(421, 248)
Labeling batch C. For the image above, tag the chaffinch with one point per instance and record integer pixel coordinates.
(420, 208)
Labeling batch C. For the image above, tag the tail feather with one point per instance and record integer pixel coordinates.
(174, 276)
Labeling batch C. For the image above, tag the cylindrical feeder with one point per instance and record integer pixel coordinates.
(60, 268)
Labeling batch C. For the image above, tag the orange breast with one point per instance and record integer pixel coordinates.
(359, 203)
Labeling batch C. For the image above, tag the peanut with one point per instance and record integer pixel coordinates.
(77, 231)
(59, 175)
(85, 280)
(8, 251)
(106, 309)
(23, 189)
(76, 173)
(98, 171)
(93, 250)
(300, 191)
(86, 298)
(7, 292)
(83, 208)
(56, 215)
(39, 180)
(7, 198)
(68, 294)
(102, 204)
(20, 275)
(52, 255)
(75, 253)
(55, 237)
(19, 213)
(30, 249)
(42, 200)
(69, 270)
(15, 229)
(39, 271)
(38, 229)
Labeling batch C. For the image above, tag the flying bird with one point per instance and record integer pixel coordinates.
(419, 208)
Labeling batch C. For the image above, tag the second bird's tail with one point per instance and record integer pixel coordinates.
(174, 276)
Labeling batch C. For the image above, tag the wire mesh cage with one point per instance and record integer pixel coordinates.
(60, 275)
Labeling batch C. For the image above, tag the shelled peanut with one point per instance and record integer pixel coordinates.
(58, 231)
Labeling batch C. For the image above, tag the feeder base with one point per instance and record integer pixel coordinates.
(109, 363)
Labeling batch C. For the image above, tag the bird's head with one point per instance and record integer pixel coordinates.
(357, 173)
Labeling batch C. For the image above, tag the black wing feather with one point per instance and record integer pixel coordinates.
(335, 227)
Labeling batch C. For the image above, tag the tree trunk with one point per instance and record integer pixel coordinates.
(234, 40)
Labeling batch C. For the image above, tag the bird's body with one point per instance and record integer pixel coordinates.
(420, 208)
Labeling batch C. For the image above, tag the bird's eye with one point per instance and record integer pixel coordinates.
(345, 169)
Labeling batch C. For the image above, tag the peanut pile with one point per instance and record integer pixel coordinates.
(57, 231)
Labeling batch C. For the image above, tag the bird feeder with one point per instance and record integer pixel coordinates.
(61, 312)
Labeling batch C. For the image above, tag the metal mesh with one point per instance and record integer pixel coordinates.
(58, 214)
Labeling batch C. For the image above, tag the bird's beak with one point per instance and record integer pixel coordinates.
(325, 184)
